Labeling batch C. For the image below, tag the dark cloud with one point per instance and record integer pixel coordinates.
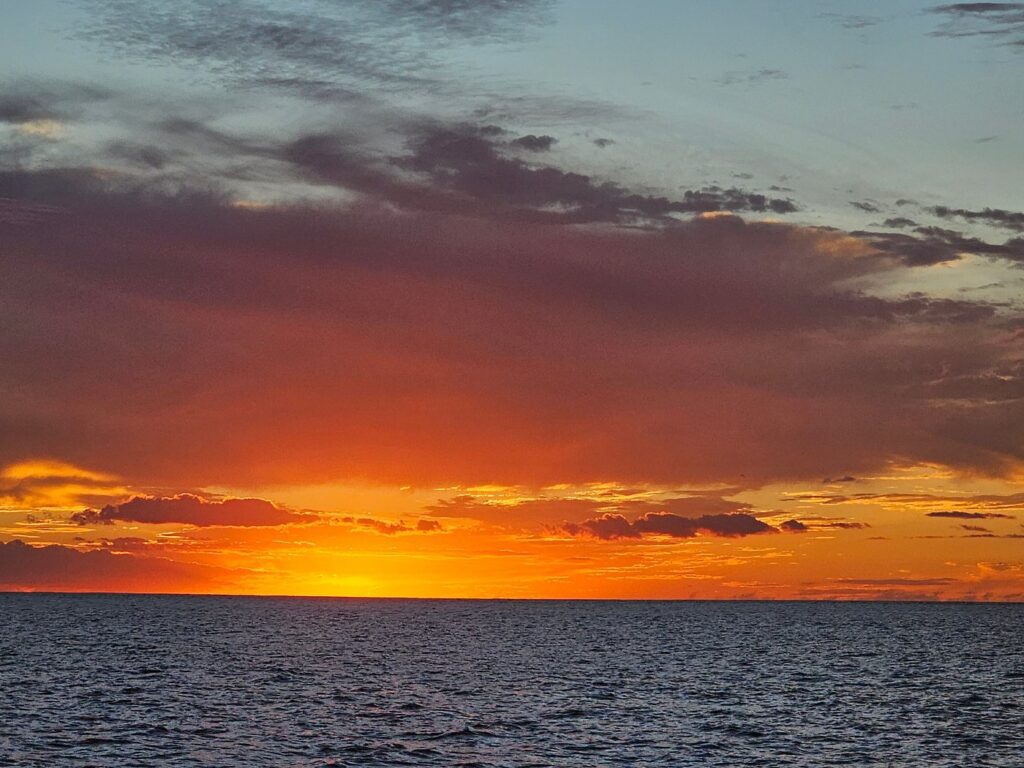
(999, 217)
(842, 479)
(191, 510)
(534, 143)
(391, 528)
(22, 102)
(608, 526)
(865, 206)
(463, 168)
(961, 515)
(602, 143)
(899, 222)
(935, 245)
(145, 306)
(213, 315)
(1001, 22)
(794, 526)
(547, 511)
(56, 567)
(616, 526)
(975, 528)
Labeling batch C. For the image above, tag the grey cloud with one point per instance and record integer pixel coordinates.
(935, 245)
(899, 222)
(865, 206)
(1002, 22)
(391, 43)
(999, 217)
(534, 143)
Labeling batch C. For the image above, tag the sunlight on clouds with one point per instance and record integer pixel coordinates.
(44, 128)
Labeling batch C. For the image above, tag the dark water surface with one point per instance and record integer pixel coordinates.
(181, 681)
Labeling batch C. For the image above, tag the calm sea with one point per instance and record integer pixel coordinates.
(181, 681)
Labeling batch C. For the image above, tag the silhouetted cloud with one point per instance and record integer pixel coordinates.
(57, 567)
(794, 526)
(616, 526)
(192, 510)
(389, 528)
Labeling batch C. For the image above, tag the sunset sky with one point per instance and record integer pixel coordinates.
(513, 298)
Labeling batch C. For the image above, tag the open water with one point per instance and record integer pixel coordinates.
(103, 680)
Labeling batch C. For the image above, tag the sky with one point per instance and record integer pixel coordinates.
(513, 298)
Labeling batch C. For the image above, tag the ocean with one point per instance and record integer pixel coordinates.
(114, 680)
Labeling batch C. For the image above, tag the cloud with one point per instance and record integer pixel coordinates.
(999, 217)
(62, 568)
(752, 77)
(462, 168)
(49, 483)
(866, 206)
(899, 222)
(926, 501)
(615, 526)
(390, 44)
(794, 526)
(391, 528)
(540, 512)
(534, 143)
(192, 510)
(936, 245)
(42, 102)
(360, 338)
(961, 515)
(849, 21)
(519, 514)
(373, 316)
(1001, 22)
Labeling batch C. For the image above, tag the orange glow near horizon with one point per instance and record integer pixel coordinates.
(912, 533)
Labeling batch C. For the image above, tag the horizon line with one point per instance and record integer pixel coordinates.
(395, 598)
